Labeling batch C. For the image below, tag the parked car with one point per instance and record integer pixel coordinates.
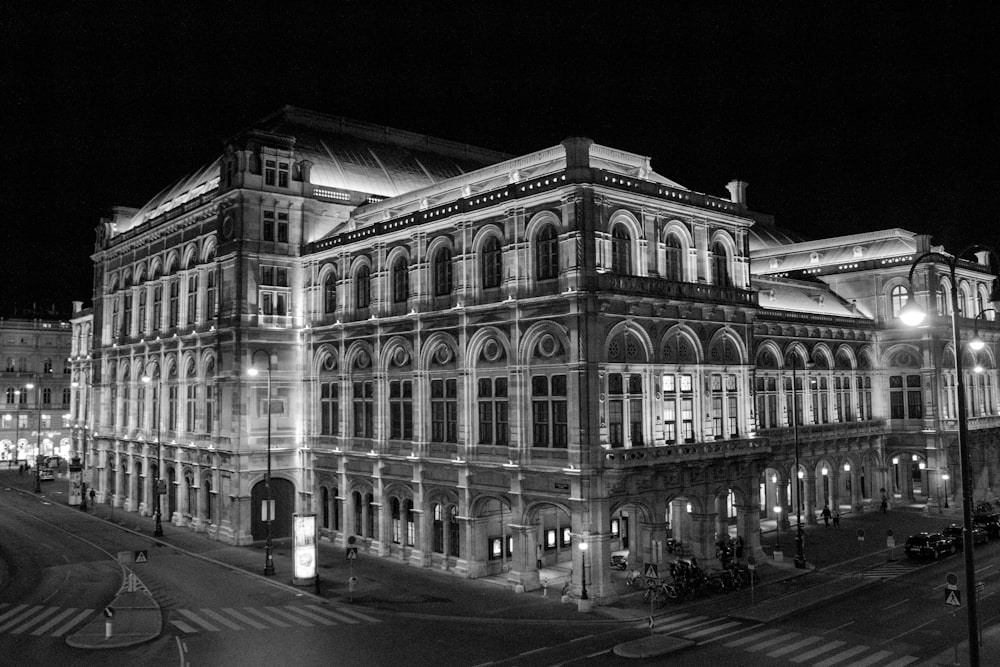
(929, 545)
(619, 560)
(989, 522)
(979, 535)
(46, 475)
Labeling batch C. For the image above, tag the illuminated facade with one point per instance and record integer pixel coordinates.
(482, 361)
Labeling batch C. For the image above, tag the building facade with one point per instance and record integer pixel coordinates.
(479, 362)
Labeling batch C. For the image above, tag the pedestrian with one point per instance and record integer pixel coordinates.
(885, 504)
(826, 515)
(738, 543)
(836, 519)
(92, 494)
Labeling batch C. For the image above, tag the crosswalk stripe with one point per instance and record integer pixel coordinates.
(197, 620)
(714, 628)
(749, 638)
(246, 619)
(829, 646)
(794, 647)
(842, 656)
(872, 659)
(182, 626)
(52, 621)
(290, 617)
(760, 646)
(12, 611)
(312, 615)
(65, 627)
(272, 621)
(902, 662)
(341, 609)
(221, 619)
(48, 611)
(333, 614)
(20, 617)
(679, 624)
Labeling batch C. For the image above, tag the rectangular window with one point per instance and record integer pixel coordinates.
(172, 408)
(444, 411)
(492, 411)
(329, 408)
(192, 402)
(670, 420)
(175, 296)
(192, 299)
(270, 171)
(282, 228)
(401, 410)
(549, 411)
(687, 419)
(282, 174)
(209, 407)
(267, 233)
(914, 405)
(364, 409)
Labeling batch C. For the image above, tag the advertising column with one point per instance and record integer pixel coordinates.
(304, 549)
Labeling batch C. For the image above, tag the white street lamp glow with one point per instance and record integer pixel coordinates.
(912, 314)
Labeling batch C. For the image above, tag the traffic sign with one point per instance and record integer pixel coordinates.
(953, 598)
(650, 571)
(861, 534)
(141, 556)
(751, 563)
(109, 612)
(352, 553)
(952, 580)
(980, 586)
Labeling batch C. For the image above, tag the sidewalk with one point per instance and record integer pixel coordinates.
(834, 556)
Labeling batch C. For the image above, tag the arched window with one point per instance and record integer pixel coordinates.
(65, 396)
(437, 540)
(442, 272)
(674, 258)
(10, 394)
(897, 299)
(720, 265)
(396, 529)
(325, 504)
(363, 288)
(943, 304)
(621, 250)
(47, 396)
(492, 263)
(330, 295)
(400, 280)
(547, 253)
(453, 544)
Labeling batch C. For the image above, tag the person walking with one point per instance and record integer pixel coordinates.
(885, 503)
(826, 515)
(836, 519)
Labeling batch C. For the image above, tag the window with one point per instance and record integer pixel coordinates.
(66, 396)
(720, 265)
(330, 295)
(175, 297)
(329, 408)
(364, 409)
(437, 533)
(842, 399)
(47, 366)
(363, 288)
(142, 311)
(547, 253)
(678, 407)
(157, 306)
(724, 406)
(492, 263)
(276, 171)
(47, 396)
(210, 296)
(621, 250)
(905, 397)
(282, 174)
(897, 299)
(192, 299)
(793, 401)
(492, 411)
(442, 272)
(394, 511)
(548, 411)
(274, 301)
(401, 410)
(865, 400)
(172, 407)
(268, 229)
(454, 545)
(190, 404)
(444, 410)
(126, 314)
(674, 269)
(126, 401)
(400, 280)
(282, 228)
(625, 395)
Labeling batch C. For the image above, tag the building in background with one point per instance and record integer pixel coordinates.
(479, 362)
(80, 362)
(35, 381)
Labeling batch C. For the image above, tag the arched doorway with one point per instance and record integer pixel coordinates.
(283, 495)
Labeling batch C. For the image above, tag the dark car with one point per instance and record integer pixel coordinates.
(988, 522)
(955, 531)
(929, 545)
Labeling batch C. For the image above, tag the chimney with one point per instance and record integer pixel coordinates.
(77, 306)
(738, 193)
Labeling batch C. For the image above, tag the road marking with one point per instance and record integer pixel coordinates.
(197, 620)
(312, 615)
(843, 655)
(36, 620)
(332, 614)
(357, 614)
(580, 639)
(679, 624)
(272, 621)
(52, 621)
(839, 627)
(714, 628)
(246, 619)
(872, 659)
(20, 617)
(13, 611)
(760, 646)
(908, 631)
(794, 647)
(73, 622)
(829, 646)
(757, 635)
(221, 619)
(902, 662)
(895, 605)
(730, 634)
(183, 627)
(290, 617)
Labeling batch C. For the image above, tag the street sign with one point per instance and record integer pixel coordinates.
(126, 557)
(751, 563)
(352, 553)
(980, 586)
(109, 612)
(861, 534)
(890, 541)
(953, 598)
(952, 580)
(650, 571)
(141, 556)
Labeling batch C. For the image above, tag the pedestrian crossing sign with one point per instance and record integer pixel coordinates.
(352, 553)
(141, 556)
(650, 571)
(954, 598)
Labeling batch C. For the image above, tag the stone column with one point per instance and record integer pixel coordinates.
(781, 491)
(523, 571)
(857, 500)
(809, 499)
(703, 535)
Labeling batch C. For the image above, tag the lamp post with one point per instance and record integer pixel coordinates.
(268, 550)
(800, 557)
(945, 477)
(777, 526)
(912, 315)
(38, 435)
(157, 515)
(583, 570)
(17, 423)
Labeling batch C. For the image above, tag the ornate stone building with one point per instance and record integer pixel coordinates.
(479, 362)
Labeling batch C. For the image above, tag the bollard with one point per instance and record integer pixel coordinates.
(545, 588)
(107, 629)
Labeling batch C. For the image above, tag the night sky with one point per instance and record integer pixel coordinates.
(848, 118)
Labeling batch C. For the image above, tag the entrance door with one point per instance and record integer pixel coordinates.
(283, 494)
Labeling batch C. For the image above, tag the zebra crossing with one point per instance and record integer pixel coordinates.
(190, 621)
(776, 643)
(890, 569)
(40, 620)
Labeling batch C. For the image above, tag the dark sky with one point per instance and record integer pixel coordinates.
(843, 117)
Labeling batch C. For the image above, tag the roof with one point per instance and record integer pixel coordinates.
(784, 294)
(836, 251)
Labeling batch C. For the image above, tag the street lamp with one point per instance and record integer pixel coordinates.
(157, 518)
(912, 314)
(800, 557)
(777, 526)
(945, 478)
(583, 570)
(38, 435)
(268, 550)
